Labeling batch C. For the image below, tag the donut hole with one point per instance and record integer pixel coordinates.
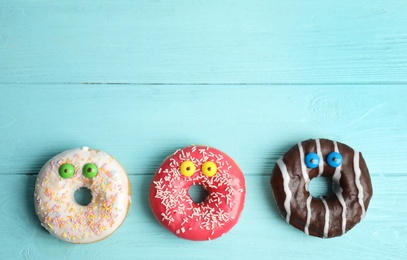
(83, 196)
(198, 193)
(321, 186)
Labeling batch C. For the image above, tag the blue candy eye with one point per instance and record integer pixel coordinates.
(312, 160)
(334, 159)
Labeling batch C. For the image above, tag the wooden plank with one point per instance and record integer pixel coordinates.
(234, 41)
(255, 125)
(261, 231)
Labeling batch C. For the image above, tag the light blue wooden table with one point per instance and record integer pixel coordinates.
(139, 79)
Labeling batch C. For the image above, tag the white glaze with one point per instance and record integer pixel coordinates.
(62, 216)
(358, 183)
(286, 181)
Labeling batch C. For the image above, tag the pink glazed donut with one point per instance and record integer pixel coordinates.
(217, 173)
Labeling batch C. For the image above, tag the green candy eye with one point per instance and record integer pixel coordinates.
(89, 170)
(66, 170)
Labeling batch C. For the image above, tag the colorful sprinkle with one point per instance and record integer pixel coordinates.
(60, 213)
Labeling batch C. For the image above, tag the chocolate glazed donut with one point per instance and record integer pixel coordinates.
(324, 216)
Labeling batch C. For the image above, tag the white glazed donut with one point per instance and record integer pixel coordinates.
(65, 173)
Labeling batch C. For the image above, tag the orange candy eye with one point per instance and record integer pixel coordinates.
(209, 168)
(187, 168)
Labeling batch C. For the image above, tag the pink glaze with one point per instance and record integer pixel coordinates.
(176, 211)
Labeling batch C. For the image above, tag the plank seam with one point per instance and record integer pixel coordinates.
(379, 83)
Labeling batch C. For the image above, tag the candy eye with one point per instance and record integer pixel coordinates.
(89, 170)
(187, 168)
(334, 159)
(209, 168)
(312, 160)
(66, 170)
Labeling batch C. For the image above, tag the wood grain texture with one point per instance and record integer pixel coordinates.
(261, 232)
(140, 79)
(193, 41)
(254, 124)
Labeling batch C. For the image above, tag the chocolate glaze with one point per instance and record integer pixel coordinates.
(355, 189)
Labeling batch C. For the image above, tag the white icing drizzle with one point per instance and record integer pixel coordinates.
(321, 160)
(326, 225)
(303, 167)
(336, 177)
(286, 181)
(306, 228)
(358, 184)
(306, 179)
